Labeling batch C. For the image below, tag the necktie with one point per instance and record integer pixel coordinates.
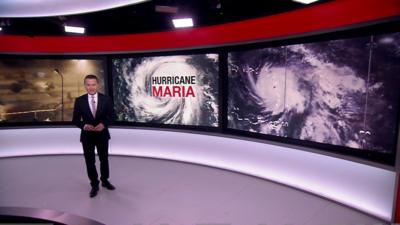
(93, 106)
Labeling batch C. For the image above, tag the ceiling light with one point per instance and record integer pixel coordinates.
(185, 22)
(305, 1)
(1, 28)
(70, 29)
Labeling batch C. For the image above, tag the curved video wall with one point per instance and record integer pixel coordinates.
(334, 92)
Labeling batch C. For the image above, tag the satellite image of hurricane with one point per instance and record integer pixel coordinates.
(136, 101)
(340, 92)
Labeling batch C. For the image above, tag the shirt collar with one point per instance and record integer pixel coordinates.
(95, 95)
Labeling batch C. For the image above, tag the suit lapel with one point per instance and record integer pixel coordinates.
(86, 105)
(99, 104)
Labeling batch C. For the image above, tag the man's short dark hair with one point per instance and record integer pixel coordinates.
(91, 76)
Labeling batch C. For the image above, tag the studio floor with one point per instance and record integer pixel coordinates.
(155, 191)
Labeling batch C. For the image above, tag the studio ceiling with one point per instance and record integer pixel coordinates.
(130, 17)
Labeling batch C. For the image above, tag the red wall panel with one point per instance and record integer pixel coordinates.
(320, 17)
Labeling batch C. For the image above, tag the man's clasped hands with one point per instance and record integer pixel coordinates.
(89, 127)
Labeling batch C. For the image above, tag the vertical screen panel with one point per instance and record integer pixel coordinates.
(339, 92)
(179, 90)
(34, 90)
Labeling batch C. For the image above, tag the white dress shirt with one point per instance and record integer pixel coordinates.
(95, 99)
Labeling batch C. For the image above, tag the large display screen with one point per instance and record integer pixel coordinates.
(338, 92)
(39, 90)
(179, 89)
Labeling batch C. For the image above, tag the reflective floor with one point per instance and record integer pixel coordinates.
(155, 192)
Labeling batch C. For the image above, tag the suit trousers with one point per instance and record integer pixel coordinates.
(90, 159)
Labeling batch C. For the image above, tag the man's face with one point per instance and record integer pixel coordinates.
(91, 86)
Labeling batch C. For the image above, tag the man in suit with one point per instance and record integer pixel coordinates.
(93, 114)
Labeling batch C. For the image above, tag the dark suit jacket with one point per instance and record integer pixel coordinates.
(82, 115)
